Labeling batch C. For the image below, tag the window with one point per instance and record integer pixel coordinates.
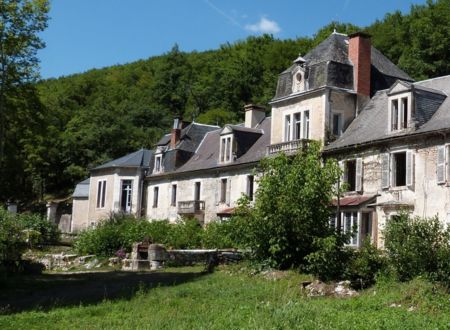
(250, 186)
(349, 224)
(337, 124)
(173, 199)
(350, 174)
(352, 171)
(399, 113)
(197, 191)
(226, 149)
(158, 164)
(223, 190)
(306, 128)
(125, 198)
(101, 193)
(287, 128)
(155, 196)
(397, 169)
(296, 126)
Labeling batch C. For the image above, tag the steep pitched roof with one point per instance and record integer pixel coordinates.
(140, 158)
(207, 154)
(328, 64)
(371, 124)
(82, 189)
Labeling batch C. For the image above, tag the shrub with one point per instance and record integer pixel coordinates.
(48, 231)
(291, 208)
(185, 234)
(219, 235)
(330, 259)
(418, 246)
(364, 265)
(12, 237)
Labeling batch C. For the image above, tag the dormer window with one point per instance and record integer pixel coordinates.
(400, 112)
(158, 168)
(226, 148)
(298, 81)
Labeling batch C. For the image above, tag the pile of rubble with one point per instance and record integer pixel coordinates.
(319, 289)
(64, 261)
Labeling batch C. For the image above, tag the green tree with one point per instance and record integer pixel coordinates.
(292, 206)
(21, 21)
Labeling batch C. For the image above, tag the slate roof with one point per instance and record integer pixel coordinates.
(370, 126)
(207, 154)
(328, 65)
(82, 189)
(140, 158)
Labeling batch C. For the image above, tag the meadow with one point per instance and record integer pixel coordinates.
(229, 298)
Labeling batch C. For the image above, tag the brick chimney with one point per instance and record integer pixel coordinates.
(359, 53)
(254, 114)
(176, 132)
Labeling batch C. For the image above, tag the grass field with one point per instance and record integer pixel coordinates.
(227, 299)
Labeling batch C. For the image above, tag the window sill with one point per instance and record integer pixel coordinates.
(399, 188)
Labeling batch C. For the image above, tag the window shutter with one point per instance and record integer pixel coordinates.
(228, 191)
(385, 170)
(409, 168)
(218, 190)
(359, 170)
(440, 171)
(341, 178)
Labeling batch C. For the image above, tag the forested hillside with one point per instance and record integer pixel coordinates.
(83, 120)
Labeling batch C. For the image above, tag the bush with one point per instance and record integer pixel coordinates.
(364, 265)
(418, 247)
(48, 232)
(291, 208)
(12, 237)
(185, 234)
(330, 259)
(219, 235)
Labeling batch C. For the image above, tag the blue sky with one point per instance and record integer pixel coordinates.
(86, 34)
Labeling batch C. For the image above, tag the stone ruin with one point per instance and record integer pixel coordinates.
(145, 256)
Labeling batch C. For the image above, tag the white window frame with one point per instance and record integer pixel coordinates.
(226, 148)
(289, 125)
(354, 241)
(129, 196)
(400, 115)
(101, 194)
(158, 167)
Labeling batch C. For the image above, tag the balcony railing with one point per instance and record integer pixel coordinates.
(191, 207)
(287, 147)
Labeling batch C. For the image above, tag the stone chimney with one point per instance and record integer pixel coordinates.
(176, 132)
(254, 114)
(359, 53)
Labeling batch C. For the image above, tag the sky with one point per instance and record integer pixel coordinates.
(87, 34)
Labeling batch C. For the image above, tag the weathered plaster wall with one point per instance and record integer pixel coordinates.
(113, 179)
(210, 184)
(80, 212)
(315, 105)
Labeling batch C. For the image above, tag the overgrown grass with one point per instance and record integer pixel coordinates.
(233, 300)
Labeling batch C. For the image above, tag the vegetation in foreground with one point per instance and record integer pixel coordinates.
(232, 299)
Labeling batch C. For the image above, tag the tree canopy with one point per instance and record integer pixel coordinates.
(80, 121)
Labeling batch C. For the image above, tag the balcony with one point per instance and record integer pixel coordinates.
(287, 147)
(191, 207)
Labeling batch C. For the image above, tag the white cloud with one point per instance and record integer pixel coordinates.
(264, 26)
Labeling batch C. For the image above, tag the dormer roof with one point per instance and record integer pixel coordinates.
(432, 112)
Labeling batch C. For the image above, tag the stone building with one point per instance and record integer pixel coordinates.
(389, 133)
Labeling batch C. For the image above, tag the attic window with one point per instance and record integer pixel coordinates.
(158, 168)
(226, 148)
(400, 113)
